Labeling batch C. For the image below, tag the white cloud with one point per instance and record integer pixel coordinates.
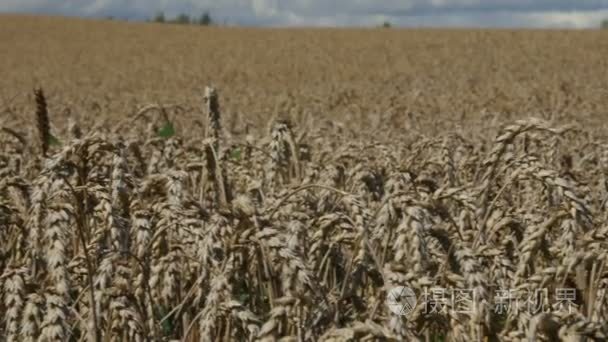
(265, 8)
(504, 13)
(572, 19)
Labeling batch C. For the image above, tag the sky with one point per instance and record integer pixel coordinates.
(407, 13)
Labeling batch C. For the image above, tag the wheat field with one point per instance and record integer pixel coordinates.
(163, 182)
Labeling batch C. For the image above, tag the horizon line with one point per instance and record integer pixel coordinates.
(227, 24)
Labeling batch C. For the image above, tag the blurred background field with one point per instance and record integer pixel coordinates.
(435, 76)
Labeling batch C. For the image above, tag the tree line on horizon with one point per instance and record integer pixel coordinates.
(204, 19)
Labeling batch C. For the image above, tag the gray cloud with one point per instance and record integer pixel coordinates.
(485, 13)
